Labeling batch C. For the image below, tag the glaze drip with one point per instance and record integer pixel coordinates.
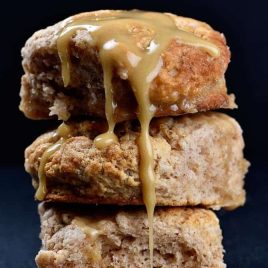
(131, 41)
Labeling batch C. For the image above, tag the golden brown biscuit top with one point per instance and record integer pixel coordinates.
(190, 79)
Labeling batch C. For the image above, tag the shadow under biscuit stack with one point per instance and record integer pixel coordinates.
(131, 176)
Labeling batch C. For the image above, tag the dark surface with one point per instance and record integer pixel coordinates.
(244, 24)
(245, 229)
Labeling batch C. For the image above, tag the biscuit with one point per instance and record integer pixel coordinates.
(189, 81)
(198, 161)
(107, 237)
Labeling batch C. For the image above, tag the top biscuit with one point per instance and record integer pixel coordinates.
(190, 79)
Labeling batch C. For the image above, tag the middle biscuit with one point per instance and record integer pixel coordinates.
(198, 161)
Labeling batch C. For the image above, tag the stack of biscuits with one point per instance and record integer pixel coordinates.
(92, 210)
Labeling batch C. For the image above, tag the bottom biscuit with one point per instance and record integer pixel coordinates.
(88, 237)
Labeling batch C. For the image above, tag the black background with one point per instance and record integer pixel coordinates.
(244, 24)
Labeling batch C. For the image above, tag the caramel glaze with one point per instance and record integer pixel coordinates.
(93, 230)
(129, 43)
(61, 134)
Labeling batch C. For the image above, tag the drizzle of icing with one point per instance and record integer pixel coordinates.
(89, 227)
(93, 230)
(131, 41)
(61, 134)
